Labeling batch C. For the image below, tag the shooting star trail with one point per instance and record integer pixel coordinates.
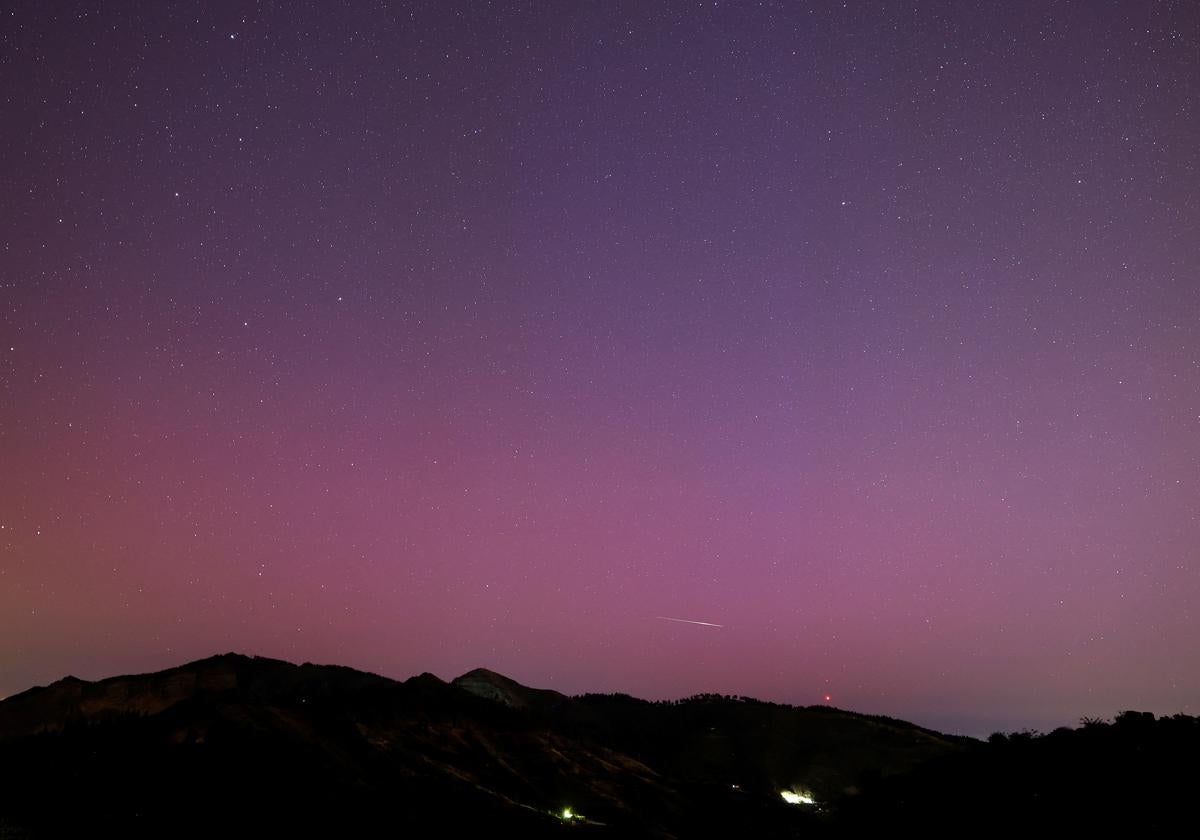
(688, 621)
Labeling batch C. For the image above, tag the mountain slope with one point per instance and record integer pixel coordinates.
(492, 686)
(241, 745)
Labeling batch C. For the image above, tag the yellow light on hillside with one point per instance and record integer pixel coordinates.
(791, 797)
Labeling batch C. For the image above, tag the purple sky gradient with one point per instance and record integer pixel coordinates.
(442, 335)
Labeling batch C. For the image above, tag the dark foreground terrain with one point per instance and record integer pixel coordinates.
(240, 746)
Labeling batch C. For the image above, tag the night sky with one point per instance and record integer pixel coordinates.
(428, 336)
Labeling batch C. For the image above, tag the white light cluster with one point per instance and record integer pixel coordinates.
(791, 797)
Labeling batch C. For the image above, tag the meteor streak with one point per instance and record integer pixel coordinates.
(688, 621)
